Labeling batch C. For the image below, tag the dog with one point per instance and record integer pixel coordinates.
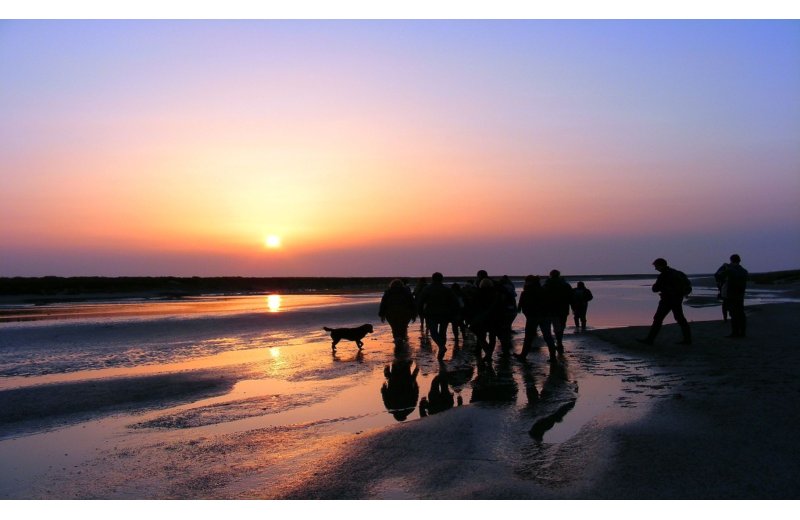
(355, 334)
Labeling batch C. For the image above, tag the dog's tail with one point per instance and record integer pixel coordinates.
(326, 328)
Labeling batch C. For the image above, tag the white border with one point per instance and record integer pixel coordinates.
(411, 9)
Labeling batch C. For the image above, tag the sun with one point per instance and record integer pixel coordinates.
(273, 241)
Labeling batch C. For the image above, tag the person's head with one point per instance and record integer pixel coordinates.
(555, 273)
(437, 277)
(482, 274)
(397, 282)
(660, 264)
(486, 282)
(581, 285)
(531, 280)
(735, 259)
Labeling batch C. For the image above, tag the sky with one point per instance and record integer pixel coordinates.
(397, 147)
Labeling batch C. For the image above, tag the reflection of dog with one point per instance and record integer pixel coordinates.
(356, 334)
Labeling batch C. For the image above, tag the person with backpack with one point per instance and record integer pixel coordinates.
(581, 296)
(673, 286)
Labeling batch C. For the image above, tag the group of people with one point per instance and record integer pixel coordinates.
(673, 286)
(488, 308)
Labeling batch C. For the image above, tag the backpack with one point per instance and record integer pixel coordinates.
(686, 285)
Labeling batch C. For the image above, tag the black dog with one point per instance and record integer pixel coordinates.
(355, 334)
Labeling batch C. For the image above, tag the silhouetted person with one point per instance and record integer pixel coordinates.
(438, 305)
(398, 308)
(581, 296)
(400, 390)
(508, 298)
(486, 312)
(736, 281)
(558, 296)
(422, 283)
(458, 317)
(722, 289)
(673, 286)
(532, 305)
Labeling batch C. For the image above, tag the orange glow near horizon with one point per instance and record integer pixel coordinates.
(181, 147)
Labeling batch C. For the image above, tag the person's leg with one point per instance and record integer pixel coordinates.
(583, 316)
(530, 333)
(559, 325)
(658, 318)
(439, 331)
(736, 309)
(545, 326)
(677, 312)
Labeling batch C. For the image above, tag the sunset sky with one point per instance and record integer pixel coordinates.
(397, 147)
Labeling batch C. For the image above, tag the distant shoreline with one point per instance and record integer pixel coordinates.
(53, 289)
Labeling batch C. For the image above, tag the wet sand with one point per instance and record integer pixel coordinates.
(724, 429)
(617, 421)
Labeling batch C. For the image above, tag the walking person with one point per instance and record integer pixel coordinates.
(532, 306)
(458, 318)
(722, 288)
(581, 296)
(673, 286)
(438, 306)
(397, 307)
(486, 314)
(736, 282)
(558, 295)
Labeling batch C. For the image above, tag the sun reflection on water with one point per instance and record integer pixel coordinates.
(274, 302)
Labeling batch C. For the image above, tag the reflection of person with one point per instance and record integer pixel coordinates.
(581, 296)
(400, 390)
(558, 295)
(672, 285)
(557, 398)
(397, 307)
(438, 305)
(491, 385)
(736, 281)
(439, 398)
(722, 288)
(532, 305)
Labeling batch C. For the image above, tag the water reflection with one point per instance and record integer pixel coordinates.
(494, 385)
(439, 398)
(400, 390)
(556, 399)
(274, 302)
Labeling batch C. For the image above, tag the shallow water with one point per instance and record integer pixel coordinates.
(276, 370)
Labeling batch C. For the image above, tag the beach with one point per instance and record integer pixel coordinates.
(615, 420)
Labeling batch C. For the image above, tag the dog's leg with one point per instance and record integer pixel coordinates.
(333, 344)
(359, 344)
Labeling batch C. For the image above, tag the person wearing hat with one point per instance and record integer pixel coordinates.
(673, 286)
